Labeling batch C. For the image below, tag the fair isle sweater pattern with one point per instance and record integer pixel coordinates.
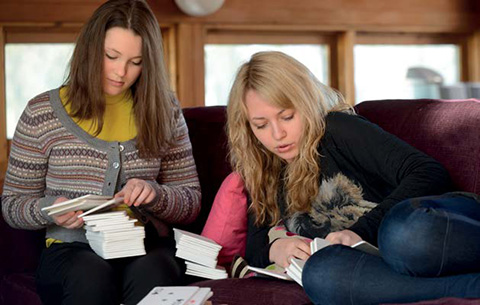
(51, 156)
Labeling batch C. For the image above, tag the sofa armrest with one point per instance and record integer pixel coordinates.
(20, 249)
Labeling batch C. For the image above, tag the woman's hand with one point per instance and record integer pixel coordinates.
(68, 220)
(345, 237)
(137, 192)
(284, 249)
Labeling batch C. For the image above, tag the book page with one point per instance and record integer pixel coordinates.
(367, 248)
(82, 203)
(317, 244)
(272, 270)
(102, 206)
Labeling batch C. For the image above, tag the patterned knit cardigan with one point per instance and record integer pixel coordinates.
(51, 156)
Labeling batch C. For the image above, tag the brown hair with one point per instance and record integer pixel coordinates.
(288, 84)
(153, 102)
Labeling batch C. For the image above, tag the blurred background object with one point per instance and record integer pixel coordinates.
(425, 82)
(198, 8)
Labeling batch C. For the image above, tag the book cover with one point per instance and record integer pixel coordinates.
(181, 235)
(272, 270)
(89, 203)
(177, 295)
(367, 248)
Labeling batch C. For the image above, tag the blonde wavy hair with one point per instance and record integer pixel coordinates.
(287, 84)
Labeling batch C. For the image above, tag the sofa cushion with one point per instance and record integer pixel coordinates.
(20, 248)
(227, 222)
(19, 289)
(443, 129)
(206, 128)
(255, 291)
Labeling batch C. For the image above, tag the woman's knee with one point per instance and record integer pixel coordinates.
(324, 274)
(425, 236)
(158, 268)
(92, 274)
(412, 231)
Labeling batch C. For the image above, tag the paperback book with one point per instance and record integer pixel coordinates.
(294, 270)
(200, 254)
(88, 204)
(177, 295)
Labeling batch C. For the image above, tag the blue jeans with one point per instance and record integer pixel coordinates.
(430, 249)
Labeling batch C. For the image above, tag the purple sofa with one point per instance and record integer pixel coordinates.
(446, 130)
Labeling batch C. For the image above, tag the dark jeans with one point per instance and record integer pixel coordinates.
(71, 273)
(430, 249)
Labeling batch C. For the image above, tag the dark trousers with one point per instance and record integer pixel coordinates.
(430, 249)
(71, 273)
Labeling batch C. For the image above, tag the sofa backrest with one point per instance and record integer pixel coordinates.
(447, 130)
(206, 127)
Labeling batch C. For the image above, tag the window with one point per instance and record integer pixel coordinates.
(409, 71)
(31, 69)
(223, 61)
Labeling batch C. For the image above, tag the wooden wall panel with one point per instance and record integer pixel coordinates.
(471, 64)
(190, 65)
(410, 15)
(345, 66)
(3, 118)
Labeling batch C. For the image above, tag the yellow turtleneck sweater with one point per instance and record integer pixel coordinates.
(118, 120)
(118, 125)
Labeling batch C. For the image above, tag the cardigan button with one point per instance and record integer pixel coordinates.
(116, 165)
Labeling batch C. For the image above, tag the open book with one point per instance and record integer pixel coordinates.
(294, 271)
(87, 203)
(177, 295)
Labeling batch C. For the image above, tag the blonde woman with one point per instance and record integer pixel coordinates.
(307, 160)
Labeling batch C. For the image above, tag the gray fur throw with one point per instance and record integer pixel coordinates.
(338, 205)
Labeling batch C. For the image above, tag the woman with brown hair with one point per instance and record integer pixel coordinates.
(114, 128)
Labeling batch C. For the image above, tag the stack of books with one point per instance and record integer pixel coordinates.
(114, 235)
(110, 234)
(200, 254)
(181, 295)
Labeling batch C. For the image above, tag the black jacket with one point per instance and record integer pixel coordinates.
(388, 170)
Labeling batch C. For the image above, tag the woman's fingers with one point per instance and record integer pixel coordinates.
(284, 249)
(345, 237)
(69, 220)
(137, 192)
